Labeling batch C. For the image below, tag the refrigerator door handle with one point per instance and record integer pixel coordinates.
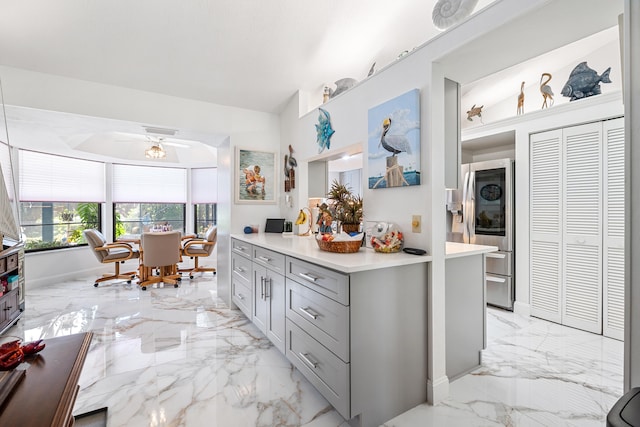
(471, 217)
(465, 208)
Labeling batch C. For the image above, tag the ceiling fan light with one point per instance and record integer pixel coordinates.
(155, 152)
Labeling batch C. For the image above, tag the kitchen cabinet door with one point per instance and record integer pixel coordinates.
(276, 300)
(582, 227)
(545, 225)
(613, 238)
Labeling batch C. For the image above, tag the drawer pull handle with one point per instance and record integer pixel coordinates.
(308, 276)
(264, 258)
(240, 297)
(240, 269)
(495, 279)
(309, 312)
(241, 248)
(308, 361)
(499, 256)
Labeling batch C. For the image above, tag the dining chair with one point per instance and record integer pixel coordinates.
(110, 253)
(198, 247)
(161, 251)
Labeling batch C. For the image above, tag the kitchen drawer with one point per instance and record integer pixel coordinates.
(327, 282)
(12, 262)
(499, 263)
(240, 247)
(329, 375)
(241, 295)
(270, 259)
(323, 318)
(241, 266)
(3, 265)
(500, 290)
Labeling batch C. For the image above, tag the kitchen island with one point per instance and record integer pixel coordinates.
(466, 306)
(355, 325)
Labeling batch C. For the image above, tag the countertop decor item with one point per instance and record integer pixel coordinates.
(386, 237)
(520, 109)
(545, 90)
(584, 81)
(346, 207)
(341, 243)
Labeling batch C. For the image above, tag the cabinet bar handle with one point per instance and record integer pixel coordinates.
(267, 287)
(264, 258)
(240, 269)
(308, 361)
(241, 297)
(241, 248)
(308, 276)
(261, 287)
(495, 279)
(494, 255)
(308, 312)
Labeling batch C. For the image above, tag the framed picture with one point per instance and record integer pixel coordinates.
(394, 142)
(256, 180)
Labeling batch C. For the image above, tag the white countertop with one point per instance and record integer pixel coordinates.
(456, 250)
(304, 248)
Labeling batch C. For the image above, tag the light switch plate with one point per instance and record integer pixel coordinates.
(416, 223)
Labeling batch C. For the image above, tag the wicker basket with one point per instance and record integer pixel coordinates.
(344, 247)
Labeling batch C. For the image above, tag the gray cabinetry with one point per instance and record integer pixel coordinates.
(241, 277)
(268, 304)
(12, 275)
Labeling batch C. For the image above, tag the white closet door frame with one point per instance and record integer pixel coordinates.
(613, 232)
(582, 227)
(545, 260)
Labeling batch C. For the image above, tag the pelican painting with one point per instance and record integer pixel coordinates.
(394, 142)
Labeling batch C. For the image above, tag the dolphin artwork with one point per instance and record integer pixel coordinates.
(584, 82)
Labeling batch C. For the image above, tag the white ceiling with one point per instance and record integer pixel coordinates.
(253, 54)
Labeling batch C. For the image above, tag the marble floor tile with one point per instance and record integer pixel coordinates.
(179, 357)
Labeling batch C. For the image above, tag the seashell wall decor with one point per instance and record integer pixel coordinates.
(447, 13)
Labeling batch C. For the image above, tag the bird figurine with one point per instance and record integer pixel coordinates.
(293, 163)
(521, 100)
(545, 90)
(287, 174)
(393, 143)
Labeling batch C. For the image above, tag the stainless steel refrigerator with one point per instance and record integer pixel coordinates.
(482, 212)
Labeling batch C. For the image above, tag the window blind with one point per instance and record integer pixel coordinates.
(52, 178)
(204, 185)
(149, 184)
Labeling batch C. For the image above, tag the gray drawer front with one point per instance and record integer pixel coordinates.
(241, 295)
(330, 375)
(323, 318)
(270, 259)
(327, 282)
(241, 267)
(240, 247)
(499, 263)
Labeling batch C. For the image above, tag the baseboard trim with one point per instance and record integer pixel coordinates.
(522, 309)
(437, 390)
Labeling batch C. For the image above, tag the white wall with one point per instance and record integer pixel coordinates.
(245, 128)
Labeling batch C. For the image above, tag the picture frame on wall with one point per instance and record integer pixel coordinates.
(394, 142)
(255, 176)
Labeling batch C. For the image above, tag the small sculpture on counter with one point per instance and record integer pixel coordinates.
(521, 100)
(545, 90)
(584, 82)
(475, 111)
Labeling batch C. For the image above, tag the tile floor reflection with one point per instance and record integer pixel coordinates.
(180, 357)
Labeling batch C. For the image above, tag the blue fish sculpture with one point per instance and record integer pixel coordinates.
(323, 130)
(584, 82)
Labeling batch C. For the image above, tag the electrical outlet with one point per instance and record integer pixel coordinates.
(416, 223)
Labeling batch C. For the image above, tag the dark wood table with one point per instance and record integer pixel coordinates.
(46, 394)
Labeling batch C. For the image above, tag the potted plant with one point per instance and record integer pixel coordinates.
(345, 206)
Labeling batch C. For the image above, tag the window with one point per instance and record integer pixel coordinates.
(50, 225)
(135, 218)
(205, 215)
(59, 198)
(204, 195)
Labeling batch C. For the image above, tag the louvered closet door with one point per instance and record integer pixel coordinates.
(545, 222)
(614, 216)
(582, 227)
